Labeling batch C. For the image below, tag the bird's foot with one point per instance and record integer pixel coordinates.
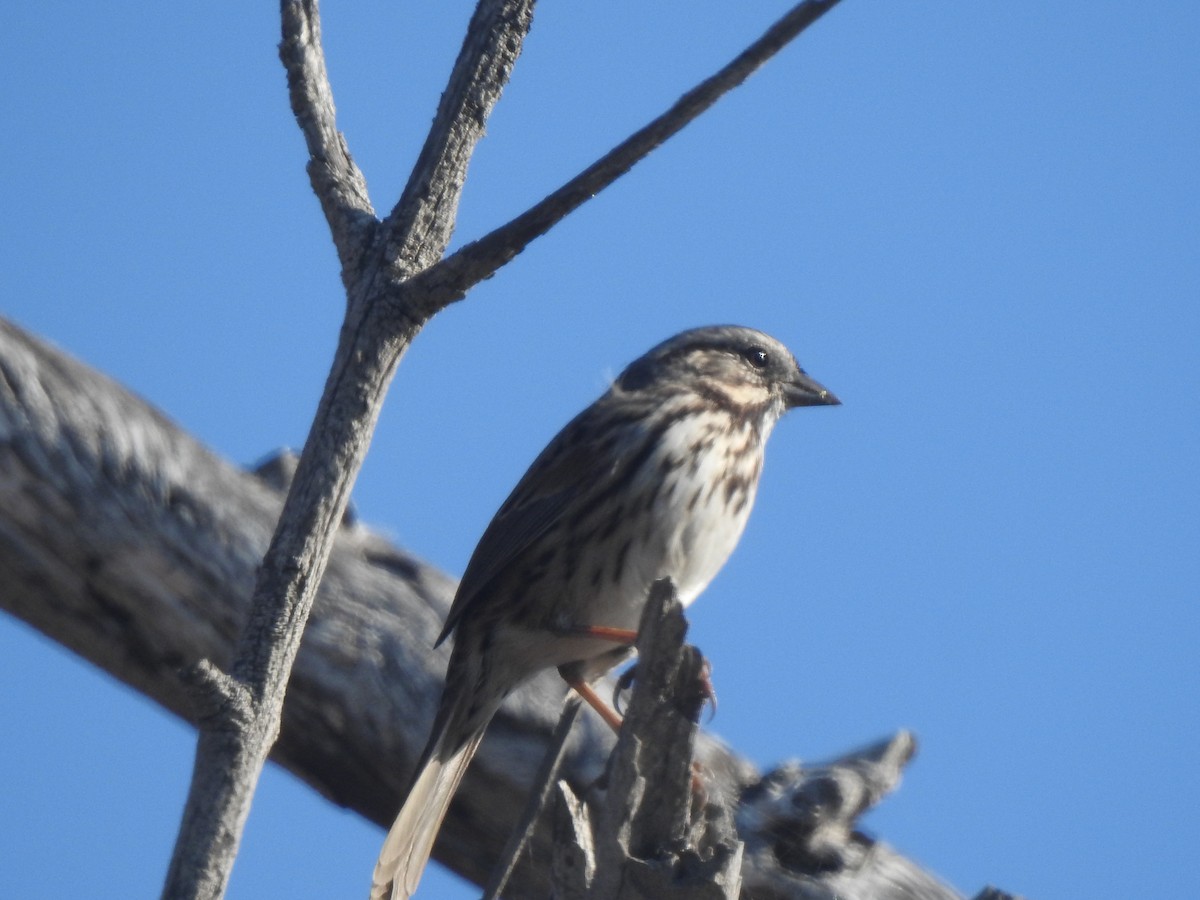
(626, 679)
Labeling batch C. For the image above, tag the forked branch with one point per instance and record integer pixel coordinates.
(230, 755)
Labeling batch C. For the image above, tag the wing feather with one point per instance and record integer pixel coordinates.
(567, 470)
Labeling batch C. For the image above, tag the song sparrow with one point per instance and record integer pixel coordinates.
(654, 479)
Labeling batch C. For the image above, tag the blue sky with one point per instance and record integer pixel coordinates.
(977, 223)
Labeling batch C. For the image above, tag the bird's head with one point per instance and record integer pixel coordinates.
(729, 365)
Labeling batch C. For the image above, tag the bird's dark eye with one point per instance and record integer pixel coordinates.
(757, 357)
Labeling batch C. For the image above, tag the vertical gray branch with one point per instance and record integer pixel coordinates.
(234, 743)
(336, 180)
(232, 748)
(419, 227)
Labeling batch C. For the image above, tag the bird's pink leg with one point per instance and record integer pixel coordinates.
(612, 718)
(616, 635)
(584, 690)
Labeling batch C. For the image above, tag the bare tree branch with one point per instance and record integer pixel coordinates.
(449, 280)
(232, 749)
(336, 180)
(419, 228)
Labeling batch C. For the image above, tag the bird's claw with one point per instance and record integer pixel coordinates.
(624, 683)
(706, 688)
(626, 679)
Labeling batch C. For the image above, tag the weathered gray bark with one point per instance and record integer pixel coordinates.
(654, 829)
(124, 539)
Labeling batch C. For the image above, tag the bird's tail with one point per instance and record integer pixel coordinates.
(408, 844)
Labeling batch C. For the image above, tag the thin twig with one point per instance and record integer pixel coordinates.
(416, 233)
(543, 784)
(449, 280)
(336, 180)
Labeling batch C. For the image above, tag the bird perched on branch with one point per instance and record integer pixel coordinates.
(655, 479)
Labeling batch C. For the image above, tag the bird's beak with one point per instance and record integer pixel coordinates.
(804, 391)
